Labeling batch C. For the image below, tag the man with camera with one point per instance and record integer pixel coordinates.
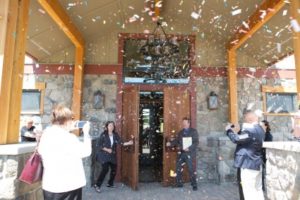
(248, 155)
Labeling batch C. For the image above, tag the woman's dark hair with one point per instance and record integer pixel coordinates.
(266, 123)
(110, 122)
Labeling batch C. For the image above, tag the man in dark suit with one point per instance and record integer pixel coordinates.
(248, 154)
(186, 141)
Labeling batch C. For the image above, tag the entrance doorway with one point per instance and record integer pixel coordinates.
(161, 112)
(151, 137)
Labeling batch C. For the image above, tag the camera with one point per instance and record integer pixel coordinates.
(80, 124)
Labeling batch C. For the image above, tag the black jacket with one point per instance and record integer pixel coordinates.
(104, 141)
(268, 138)
(248, 153)
(191, 132)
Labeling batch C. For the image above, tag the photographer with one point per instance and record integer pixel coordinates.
(248, 154)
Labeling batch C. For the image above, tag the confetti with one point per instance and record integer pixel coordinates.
(195, 15)
(41, 11)
(71, 4)
(252, 69)
(295, 25)
(245, 25)
(284, 13)
(278, 47)
(158, 4)
(134, 18)
(263, 14)
(236, 12)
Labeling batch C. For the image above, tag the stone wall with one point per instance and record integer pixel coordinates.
(59, 89)
(215, 155)
(12, 161)
(283, 170)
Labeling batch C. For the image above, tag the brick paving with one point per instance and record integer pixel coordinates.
(155, 191)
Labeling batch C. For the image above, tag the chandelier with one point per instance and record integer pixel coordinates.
(161, 53)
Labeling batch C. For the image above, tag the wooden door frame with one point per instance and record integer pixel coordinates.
(191, 87)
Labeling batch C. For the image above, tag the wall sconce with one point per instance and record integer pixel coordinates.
(212, 101)
(98, 99)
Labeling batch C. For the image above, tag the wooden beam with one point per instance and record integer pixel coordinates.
(232, 86)
(58, 14)
(262, 15)
(77, 83)
(12, 67)
(295, 15)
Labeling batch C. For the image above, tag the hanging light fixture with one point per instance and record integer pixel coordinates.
(159, 52)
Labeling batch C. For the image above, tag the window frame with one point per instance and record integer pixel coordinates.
(41, 88)
(276, 89)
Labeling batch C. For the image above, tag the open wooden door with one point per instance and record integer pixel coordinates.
(177, 105)
(130, 127)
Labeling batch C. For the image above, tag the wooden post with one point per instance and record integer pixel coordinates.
(78, 80)
(232, 86)
(59, 15)
(14, 19)
(294, 7)
(255, 22)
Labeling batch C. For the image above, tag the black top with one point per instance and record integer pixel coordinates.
(178, 142)
(24, 138)
(268, 138)
(104, 141)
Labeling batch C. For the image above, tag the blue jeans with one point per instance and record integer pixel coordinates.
(188, 160)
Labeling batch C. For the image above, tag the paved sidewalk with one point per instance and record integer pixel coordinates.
(154, 191)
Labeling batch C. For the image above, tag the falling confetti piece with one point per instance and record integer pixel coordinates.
(158, 4)
(278, 47)
(263, 14)
(41, 11)
(295, 25)
(245, 25)
(236, 12)
(195, 15)
(252, 69)
(284, 13)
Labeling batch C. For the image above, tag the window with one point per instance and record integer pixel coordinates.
(279, 100)
(33, 99)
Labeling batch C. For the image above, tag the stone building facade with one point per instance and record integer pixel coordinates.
(215, 156)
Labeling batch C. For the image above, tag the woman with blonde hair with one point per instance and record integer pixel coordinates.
(62, 153)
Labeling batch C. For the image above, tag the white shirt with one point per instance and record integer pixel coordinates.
(111, 137)
(62, 154)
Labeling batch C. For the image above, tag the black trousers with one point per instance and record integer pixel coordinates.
(181, 159)
(70, 195)
(105, 168)
(240, 183)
